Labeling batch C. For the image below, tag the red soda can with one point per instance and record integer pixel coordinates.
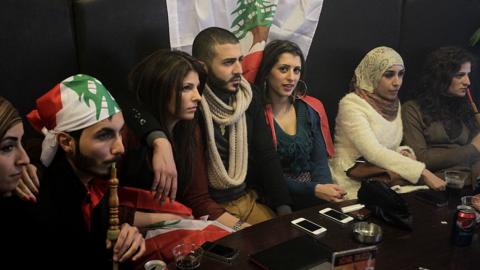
(463, 225)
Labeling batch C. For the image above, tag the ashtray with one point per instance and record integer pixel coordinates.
(155, 265)
(367, 233)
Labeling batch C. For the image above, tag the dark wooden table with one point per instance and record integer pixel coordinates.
(427, 246)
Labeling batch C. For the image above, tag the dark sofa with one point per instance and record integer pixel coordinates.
(44, 41)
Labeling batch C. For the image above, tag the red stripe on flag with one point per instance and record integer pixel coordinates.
(144, 200)
(250, 65)
(45, 115)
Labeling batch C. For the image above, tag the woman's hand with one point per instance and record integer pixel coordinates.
(407, 153)
(476, 202)
(28, 186)
(330, 192)
(432, 181)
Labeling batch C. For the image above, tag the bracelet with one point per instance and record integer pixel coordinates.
(238, 224)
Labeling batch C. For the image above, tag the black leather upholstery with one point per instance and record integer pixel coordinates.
(113, 35)
(348, 29)
(429, 24)
(43, 42)
(37, 48)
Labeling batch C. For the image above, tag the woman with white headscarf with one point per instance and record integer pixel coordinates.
(369, 124)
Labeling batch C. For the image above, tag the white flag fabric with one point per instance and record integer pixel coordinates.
(254, 22)
(73, 104)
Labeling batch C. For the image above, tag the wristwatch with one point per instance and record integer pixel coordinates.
(238, 225)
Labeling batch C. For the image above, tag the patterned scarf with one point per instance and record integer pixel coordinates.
(232, 117)
(367, 76)
(386, 108)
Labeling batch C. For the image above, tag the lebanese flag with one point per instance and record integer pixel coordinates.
(254, 22)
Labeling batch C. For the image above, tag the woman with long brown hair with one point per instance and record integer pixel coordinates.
(298, 124)
(439, 123)
(169, 85)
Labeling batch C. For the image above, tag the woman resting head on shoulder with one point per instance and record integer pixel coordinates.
(439, 123)
(369, 125)
(169, 85)
(298, 124)
(13, 157)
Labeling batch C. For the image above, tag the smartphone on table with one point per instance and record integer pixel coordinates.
(220, 252)
(308, 226)
(336, 215)
(436, 198)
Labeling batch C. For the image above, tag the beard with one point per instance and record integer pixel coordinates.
(215, 82)
(90, 166)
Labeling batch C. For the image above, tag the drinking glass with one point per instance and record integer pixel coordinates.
(187, 256)
(455, 179)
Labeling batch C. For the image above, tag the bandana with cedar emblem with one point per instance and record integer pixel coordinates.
(75, 103)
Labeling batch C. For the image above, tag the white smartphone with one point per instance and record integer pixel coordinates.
(308, 226)
(336, 215)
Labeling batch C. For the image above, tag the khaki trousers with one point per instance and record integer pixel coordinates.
(248, 209)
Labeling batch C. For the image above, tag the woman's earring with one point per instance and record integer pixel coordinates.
(301, 91)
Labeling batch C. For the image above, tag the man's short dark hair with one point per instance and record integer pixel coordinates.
(203, 47)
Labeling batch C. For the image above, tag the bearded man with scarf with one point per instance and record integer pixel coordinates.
(243, 169)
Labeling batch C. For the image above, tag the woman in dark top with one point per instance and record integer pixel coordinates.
(299, 125)
(13, 157)
(19, 226)
(169, 84)
(439, 123)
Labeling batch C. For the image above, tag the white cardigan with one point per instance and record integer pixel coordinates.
(362, 131)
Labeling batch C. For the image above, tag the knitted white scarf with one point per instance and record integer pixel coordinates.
(232, 117)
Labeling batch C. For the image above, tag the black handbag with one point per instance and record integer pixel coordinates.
(385, 203)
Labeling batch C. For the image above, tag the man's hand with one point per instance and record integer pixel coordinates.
(129, 245)
(164, 169)
(28, 185)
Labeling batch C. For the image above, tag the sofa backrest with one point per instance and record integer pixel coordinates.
(43, 42)
(113, 35)
(37, 48)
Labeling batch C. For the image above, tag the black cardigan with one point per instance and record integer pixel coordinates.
(264, 168)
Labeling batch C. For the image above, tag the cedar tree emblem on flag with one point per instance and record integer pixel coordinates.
(92, 91)
(255, 16)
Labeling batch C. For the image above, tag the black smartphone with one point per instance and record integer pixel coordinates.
(220, 252)
(436, 198)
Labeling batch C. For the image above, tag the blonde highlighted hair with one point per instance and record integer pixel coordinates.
(8, 116)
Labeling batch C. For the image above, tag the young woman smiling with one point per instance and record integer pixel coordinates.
(298, 124)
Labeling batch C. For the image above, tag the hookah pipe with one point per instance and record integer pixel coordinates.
(474, 107)
(113, 212)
